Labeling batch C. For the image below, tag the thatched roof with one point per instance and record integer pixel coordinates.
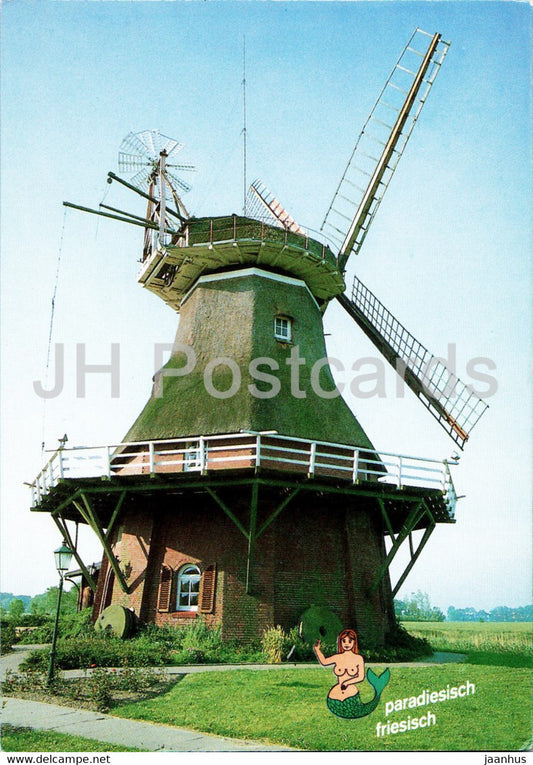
(233, 317)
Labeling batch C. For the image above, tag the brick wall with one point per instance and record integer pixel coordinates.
(320, 550)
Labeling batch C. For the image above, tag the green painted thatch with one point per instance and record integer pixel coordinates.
(234, 318)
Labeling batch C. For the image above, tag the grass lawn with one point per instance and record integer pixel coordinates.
(29, 740)
(289, 707)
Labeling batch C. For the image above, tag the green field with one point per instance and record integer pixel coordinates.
(471, 637)
(288, 707)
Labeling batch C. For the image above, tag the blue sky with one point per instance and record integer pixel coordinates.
(449, 252)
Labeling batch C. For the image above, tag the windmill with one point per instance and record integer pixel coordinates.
(246, 490)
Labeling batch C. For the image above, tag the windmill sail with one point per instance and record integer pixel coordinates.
(456, 407)
(382, 142)
(262, 205)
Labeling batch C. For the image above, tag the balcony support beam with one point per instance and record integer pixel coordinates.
(63, 529)
(89, 514)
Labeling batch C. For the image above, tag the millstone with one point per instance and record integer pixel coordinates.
(118, 620)
(318, 623)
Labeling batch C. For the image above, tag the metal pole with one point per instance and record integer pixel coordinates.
(146, 224)
(162, 200)
(142, 194)
(244, 125)
(54, 637)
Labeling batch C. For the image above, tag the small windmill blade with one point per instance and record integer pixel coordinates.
(143, 177)
(456, 407)
(140, 156)
(262, 205)
(382, 142)
(150, 144)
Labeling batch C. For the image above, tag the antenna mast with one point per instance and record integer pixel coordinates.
(244, 124)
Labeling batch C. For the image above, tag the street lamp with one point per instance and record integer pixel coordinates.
(62, 557)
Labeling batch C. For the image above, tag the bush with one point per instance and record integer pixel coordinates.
(42, 634)
(34, 620)
(98, 651)
(97, 687)
(400, 646)
(70, 626)
(9, 636)
(276, 644)
(16, 682)
(198, 643)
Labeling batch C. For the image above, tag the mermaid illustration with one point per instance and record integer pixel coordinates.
(349, 667)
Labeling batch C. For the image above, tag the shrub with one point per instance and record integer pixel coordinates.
(399, 646)
(70, 626)
(16, 682)
(99, 651)
(198, 643)
(9, 636)
(100, 690)
(275, 644)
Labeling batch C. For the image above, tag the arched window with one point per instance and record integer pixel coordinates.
(188, 588)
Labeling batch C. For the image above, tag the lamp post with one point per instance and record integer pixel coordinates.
(62, 556)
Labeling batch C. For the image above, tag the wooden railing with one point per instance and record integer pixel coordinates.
(205, 454)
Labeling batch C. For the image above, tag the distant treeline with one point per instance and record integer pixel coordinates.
(499, 614)
(7, 597)
(417, 608)
(16, 607)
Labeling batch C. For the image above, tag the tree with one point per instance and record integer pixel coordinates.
(46, 603)
(418, 608)
(15, 610)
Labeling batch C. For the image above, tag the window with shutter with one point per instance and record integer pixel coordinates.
(207, 590)
(165, 588)
(188, 588)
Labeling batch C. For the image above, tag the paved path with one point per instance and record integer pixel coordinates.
(147, 737)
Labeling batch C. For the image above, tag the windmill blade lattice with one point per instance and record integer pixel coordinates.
(139, 156)
(262, 205)
(456, 407)
(381, 143)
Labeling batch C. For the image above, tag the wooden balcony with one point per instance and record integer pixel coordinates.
(249, 453)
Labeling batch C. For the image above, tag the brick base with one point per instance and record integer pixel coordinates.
(321, 550)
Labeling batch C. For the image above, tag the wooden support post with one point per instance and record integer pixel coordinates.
(252, 536)
(277, 511)
(386, 518)
(355, 470)
(426, 536)
(312, 460)
(87, 512)
(406, 529)
(114, 517)
(59, 509)
(203, 455)
(62, 526)
(226, 509)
